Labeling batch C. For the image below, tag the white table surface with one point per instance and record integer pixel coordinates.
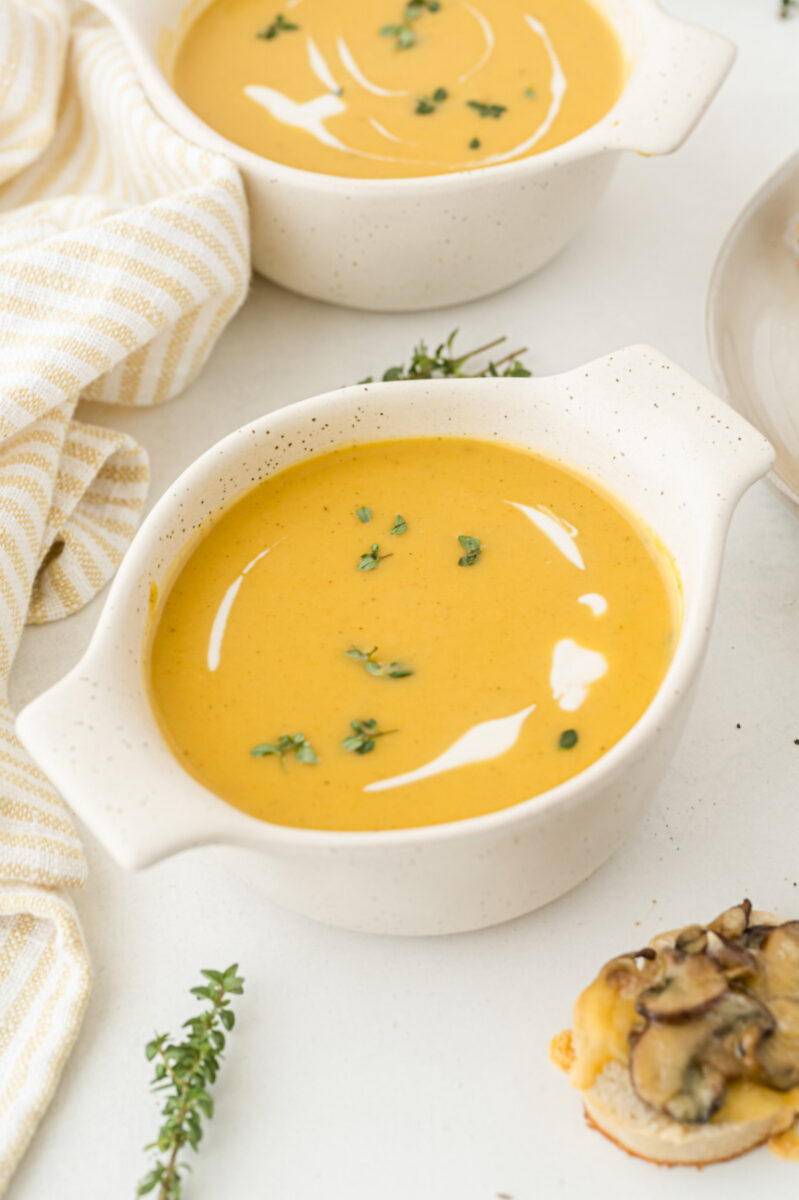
(379, 1069)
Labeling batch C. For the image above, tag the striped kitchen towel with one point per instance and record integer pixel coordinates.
(123, 253)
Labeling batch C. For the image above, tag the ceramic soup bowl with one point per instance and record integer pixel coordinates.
(474, 232)
(672, 452)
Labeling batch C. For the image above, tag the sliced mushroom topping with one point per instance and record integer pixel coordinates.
(681, 1068)
(713, 1004)
(664, 1071)
(778, 1053)
(659, 1068)
(779, 958)
(734, 921)
(702, 1093)
(742, 1027)
(734, 961)
(692, 984)
(630, 973)
(756, 935)
(691, 940)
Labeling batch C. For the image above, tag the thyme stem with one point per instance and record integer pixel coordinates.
(185, 1070)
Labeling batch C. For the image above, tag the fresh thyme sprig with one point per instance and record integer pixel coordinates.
(288, 743)
(391, 670)
(442, 363)
(487, 110)
(404, 32)
(371, 558)
(471, 547)
(279, 25)
(184, 1070)
(362, 739)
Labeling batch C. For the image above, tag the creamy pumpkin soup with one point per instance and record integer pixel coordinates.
(409, 632)
(388, 89)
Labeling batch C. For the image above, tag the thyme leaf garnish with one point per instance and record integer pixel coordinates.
(400, 525)
(568, 739)
(471, 547)
(403, 32)
(365, 733)
(364, 514)
(487, 110)
(392, 670)
(185, 1070)
(443, 363)
(371, 558)
(474, 144)
(288, 743)
(279, 25)
(429, 104)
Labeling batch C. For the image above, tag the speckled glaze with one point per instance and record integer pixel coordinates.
(669, 448)
(405, 244)
(753, 319)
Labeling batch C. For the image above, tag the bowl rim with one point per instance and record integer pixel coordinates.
(239, 826)
(789, 166)
(601, 137)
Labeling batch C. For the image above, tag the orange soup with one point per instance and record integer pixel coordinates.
(387, 89)
(409, 632)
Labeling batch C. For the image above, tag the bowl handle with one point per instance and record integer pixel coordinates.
(132, 795)
(671, 84)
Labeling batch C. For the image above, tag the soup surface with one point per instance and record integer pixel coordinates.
(388, 89)
(338, 592)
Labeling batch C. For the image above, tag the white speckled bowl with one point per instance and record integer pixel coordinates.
(474, 232)
(671, 450)
(753, 319)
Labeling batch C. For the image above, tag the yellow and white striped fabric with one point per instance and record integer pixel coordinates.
(123, 253)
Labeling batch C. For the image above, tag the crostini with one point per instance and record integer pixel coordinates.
(687, 1051)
